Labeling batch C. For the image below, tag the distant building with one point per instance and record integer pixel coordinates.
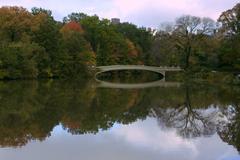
(115, 21)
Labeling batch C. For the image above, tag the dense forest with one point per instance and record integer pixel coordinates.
(34, 45)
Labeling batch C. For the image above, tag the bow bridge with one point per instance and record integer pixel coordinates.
(162, 70)
(159, 83)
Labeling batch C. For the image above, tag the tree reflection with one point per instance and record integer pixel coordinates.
(231, 132)
(29, 110)
(189, 121)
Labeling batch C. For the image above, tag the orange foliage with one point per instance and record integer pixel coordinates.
(73, 26)
(133, 52)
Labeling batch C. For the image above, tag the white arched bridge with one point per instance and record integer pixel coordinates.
(160, 83)
(161, 70)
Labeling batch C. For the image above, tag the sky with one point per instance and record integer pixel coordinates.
(148, 13)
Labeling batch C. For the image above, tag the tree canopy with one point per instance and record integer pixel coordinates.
(34, 45)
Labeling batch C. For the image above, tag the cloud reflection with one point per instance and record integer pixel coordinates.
(148, 134)
(139, 141)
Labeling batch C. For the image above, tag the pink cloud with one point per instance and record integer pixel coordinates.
(141, 12)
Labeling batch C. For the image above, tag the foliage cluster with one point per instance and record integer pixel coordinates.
(34, 45)
(200, 44)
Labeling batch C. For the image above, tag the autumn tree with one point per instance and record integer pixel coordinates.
(107, 42)
(17, 52)
(78, 52)
(142, 39)
(15, 23)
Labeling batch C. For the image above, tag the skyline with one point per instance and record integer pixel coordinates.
(147, 13)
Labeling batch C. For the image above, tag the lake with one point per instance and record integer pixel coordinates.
(69, 120)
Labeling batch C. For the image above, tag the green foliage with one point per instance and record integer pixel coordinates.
(37, 11)
(34, 45)
(229, 54)
(164, 50)
(110, 45)
(19, 60)
(78, 53)
(76, 17)
(141, 37)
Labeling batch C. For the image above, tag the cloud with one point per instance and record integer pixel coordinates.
(153, 12)
(143, 13)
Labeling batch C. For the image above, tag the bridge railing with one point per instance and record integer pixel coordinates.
(137, 66)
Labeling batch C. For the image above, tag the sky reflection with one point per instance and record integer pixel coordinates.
(140, 140)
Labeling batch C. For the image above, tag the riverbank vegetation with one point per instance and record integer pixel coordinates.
(34, 45)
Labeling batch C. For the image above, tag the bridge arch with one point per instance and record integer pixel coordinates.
(162, 73)
(159, 70)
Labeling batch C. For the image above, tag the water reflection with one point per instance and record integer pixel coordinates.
(140, 141)
(132, 79)
(175, 119)
(129, 76)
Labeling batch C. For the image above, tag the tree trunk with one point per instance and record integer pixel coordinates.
(188, 53)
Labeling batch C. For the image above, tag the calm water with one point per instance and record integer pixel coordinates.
(62, 120)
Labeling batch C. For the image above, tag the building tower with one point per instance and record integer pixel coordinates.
(115, 21)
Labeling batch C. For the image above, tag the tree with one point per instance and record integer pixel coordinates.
(188, 30)
(205, 53)
(15, 22)
(142, 38)
(183, 43)
(18, 53)
(45, 32)
(230, 20)
(188, 119)
(231, 132)
(229, 52)
(37, 11)
(19, 60)
(76, 17)
(78, 52)
(110, 46)
(164, 51)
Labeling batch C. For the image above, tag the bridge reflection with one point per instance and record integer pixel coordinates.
(161, 70)
(160, 83)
